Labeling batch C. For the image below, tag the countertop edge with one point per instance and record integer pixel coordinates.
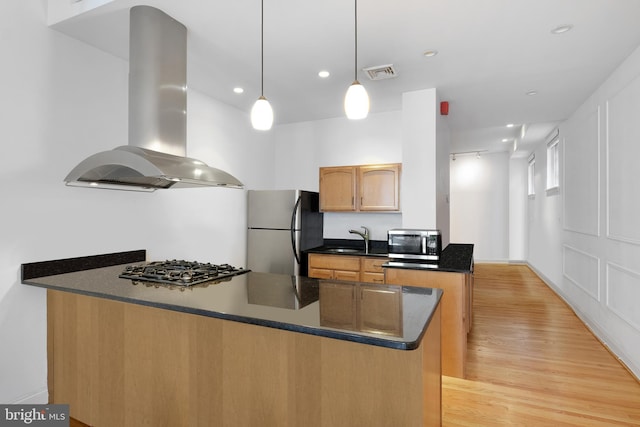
(327, 333)
(455, 258)
(32, 271)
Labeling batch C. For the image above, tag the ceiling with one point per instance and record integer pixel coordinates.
(490, 54)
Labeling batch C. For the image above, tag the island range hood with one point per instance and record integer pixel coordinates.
(155, 156)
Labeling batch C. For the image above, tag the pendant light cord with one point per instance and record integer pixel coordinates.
(355, 61)
(262, 48)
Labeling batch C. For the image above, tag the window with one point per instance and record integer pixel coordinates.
(531, 175)
(553, 162)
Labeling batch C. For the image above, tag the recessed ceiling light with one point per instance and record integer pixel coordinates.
(561, 29)
(510, 125)
(531, 92)
(238, 90)
(324, 74)
(505, 140)
(430, 53)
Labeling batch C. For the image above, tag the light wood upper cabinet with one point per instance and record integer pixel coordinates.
(379, 187)
(364, 188)
(338, 189)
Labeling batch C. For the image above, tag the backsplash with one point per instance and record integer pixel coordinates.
(338, 224)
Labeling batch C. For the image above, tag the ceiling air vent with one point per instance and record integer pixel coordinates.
(381, 72)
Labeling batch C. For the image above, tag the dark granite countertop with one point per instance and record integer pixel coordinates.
(271, 300)
(377, 248)
(456, 257)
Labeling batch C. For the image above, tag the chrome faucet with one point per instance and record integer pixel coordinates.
(364, 235)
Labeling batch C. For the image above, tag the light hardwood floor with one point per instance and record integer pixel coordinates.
(532, 362)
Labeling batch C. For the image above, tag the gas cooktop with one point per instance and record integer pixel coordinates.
(179, 272)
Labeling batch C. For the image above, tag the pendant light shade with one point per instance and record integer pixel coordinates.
(262, 113)
(356, 101)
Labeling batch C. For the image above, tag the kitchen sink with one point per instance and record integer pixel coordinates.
(343, 250)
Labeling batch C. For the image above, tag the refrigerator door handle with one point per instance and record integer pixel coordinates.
(293, 229)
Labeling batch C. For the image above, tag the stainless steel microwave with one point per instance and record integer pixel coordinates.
(412, 244)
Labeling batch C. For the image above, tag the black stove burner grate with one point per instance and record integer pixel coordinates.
(179, 272)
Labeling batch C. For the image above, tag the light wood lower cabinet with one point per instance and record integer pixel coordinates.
(351, 268)
(456, 303)
(338, 267)
(371, 270)
(121, 364)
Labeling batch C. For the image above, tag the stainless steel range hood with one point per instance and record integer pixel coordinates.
(156, 154)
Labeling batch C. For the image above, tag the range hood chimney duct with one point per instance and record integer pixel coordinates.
(156, 154)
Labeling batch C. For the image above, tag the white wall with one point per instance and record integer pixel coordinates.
(593, 263)
(518, 202)
(544, 217)
(443, 176)
(480, 204)
(68, 100)
(425, 167)
(415, 137)
(302, 148)
(419, 190)
(62, 101)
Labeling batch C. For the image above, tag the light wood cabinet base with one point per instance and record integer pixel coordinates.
(456, 306)
(119, 364)
(352, 268)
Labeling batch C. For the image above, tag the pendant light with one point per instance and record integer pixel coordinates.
(262, 113)
(356, 101)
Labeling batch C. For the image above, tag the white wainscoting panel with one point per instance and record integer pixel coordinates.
(623, 293)
(623, 173)
(581, 174)
(583, 270)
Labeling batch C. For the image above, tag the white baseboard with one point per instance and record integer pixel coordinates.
(38, 397)
(491, 261)
(595, 329)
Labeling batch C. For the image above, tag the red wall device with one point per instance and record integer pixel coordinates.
(444, 108)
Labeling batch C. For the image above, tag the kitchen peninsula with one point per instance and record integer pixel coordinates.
(252, 349)
(453, 273)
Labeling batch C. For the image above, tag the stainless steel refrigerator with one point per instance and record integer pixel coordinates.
(281, 225)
